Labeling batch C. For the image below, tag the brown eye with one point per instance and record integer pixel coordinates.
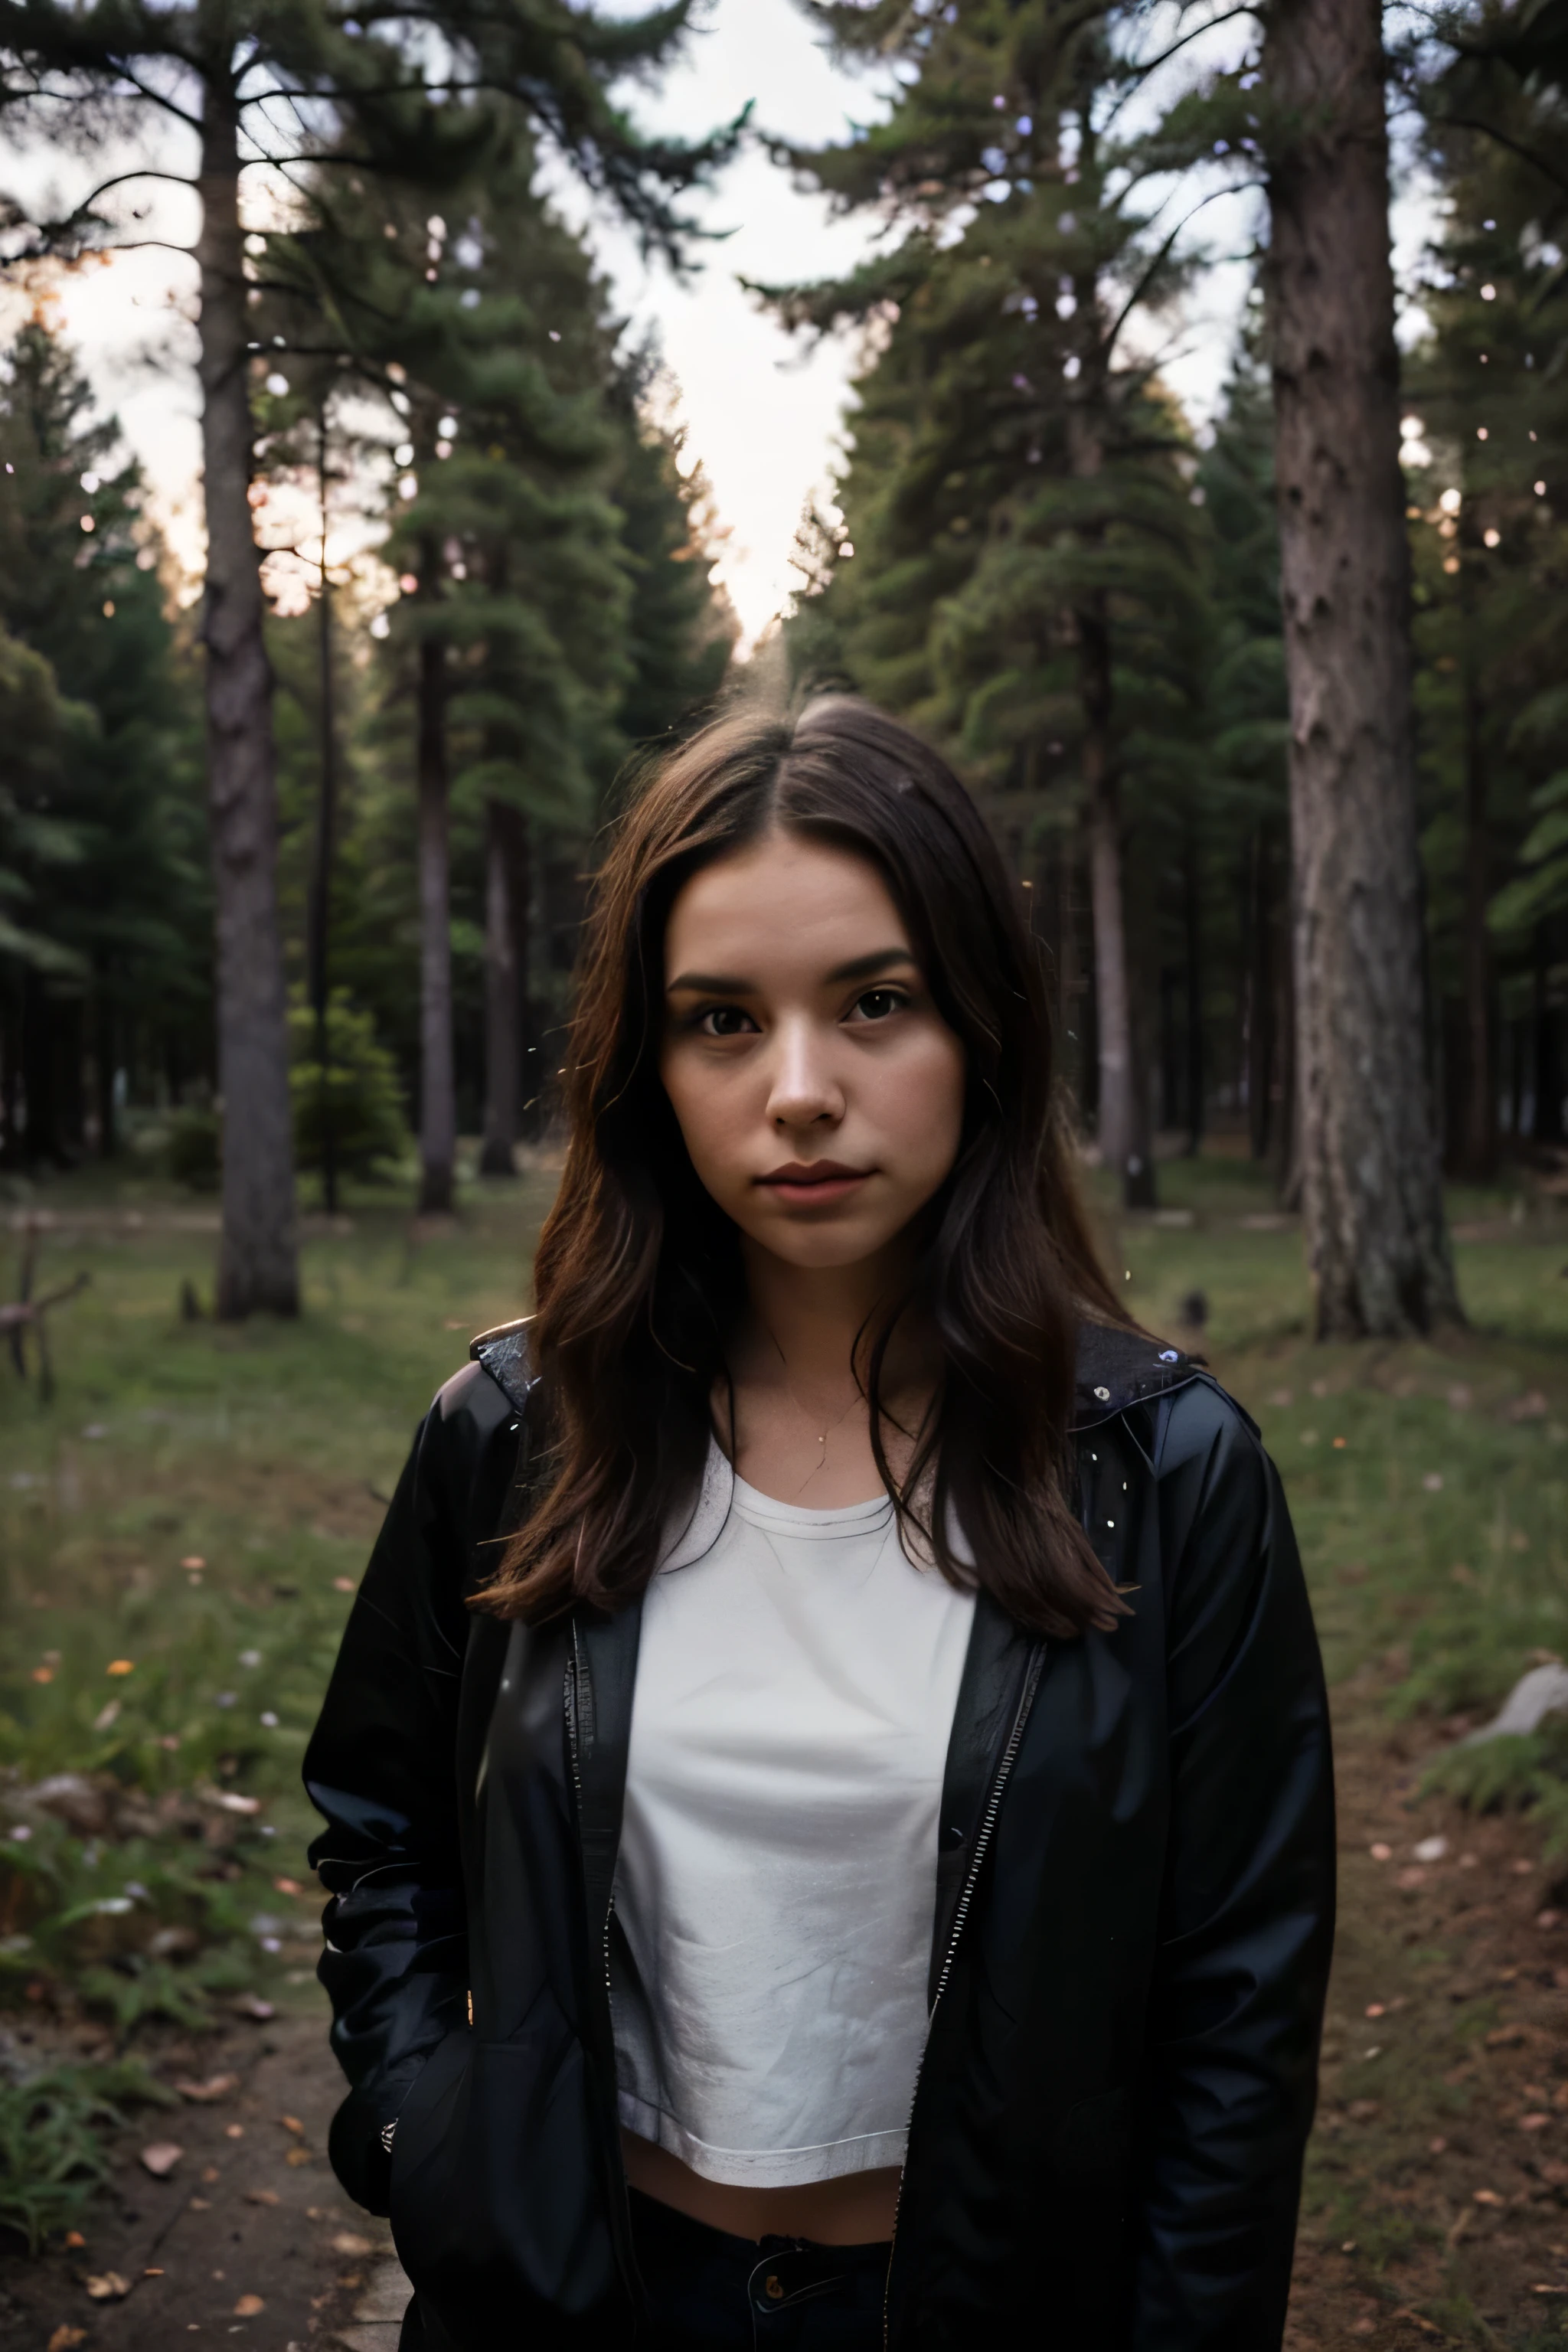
(878, 1002)
(725, 1021)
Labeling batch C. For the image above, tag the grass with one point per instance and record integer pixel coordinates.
(181, 1529)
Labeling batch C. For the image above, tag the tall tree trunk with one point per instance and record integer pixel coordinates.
(318, 943)
(503, 983)
(1377, 1239)
(1546, 1059)
(437, 1092)
(1478, 1119)
(40, 1139)
(103, 1061)
(1125, 1143)
(1261, 996)
(1192, 915)
(258, 1263)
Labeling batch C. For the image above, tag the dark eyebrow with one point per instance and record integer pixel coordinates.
(719, 984)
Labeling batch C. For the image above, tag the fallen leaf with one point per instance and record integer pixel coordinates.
(1362, 2111)
(201, 2204)
(1487, 2197)
(63, 2338)
(250, 2005)
(1549, 1920)
(210, 2173)
(229, 1800)
(287, 1886)
(1376, 2008)
(345, 2243)
(261, 2197)
(291, 2123)
(345, 1584)
(234, 2131)
(161, 2157)
(216, 2086)
(192, 1560)
(248, 2307)
(351, 2278)
(120, 1666)
(151, 2273)
(108, 2286)
(74, 2237)
(299, 2156)
(1381, 1852)
(1415, 2320)
(1412, 1876)
(1533, 2122)
(1505, 2037)
(1364, 2326)
(1436, 2147)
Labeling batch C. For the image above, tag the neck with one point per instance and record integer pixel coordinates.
(814, 1315)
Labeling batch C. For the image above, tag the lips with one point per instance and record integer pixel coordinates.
(812, 1184)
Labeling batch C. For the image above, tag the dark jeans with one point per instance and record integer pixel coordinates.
(712, 2293)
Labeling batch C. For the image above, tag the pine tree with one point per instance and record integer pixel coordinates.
(1372, 1194)
(340, 87)
(1491, 473)
(112, 893)
(1016, 505)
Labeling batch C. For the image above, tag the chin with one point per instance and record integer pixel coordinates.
(821, 1245)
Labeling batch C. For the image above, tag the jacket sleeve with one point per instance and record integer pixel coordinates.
(1247, 1925)
(380, 1768)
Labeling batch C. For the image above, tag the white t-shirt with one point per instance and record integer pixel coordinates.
(796, 1687)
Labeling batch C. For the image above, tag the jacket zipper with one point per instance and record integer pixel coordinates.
(571, 1697)
(982, 1843)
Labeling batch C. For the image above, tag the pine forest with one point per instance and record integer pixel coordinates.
(1267, 705)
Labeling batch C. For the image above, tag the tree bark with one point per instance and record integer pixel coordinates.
(1372, 1195)
(1125, 1143)
(103, 1062)
(319, 941)
(437, 1092)
(503, 989)
(1260, 997)
(258, 1263)
(1546, 1059)
(1192, 914)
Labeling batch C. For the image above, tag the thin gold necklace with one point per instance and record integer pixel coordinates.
(811, 1419)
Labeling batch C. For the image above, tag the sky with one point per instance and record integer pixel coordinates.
(764, 414)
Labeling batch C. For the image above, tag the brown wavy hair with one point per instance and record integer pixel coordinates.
(638, 1273)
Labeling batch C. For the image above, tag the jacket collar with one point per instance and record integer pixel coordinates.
(1116, 1368)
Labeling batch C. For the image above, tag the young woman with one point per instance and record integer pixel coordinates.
(828, 1776)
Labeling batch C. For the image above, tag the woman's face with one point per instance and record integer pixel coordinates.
(819, 1090)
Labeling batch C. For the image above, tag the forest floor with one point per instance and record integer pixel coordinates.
(181, 1530)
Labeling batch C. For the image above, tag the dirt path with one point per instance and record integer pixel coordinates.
(1437, 2187)
(1436, 2205)
(247, 2240)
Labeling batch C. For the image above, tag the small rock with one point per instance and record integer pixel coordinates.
(108, 2286)
(1430, 1849)
(248, 2307)
(161, 2159)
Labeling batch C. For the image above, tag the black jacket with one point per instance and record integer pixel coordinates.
(1133, 1915)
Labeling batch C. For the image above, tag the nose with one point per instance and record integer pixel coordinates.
(804, 1091)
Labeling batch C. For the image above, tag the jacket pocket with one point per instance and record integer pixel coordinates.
(498, 2210)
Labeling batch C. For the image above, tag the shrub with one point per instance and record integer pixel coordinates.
(361, 1094)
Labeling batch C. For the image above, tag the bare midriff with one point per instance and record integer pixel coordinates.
(856, 2210)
